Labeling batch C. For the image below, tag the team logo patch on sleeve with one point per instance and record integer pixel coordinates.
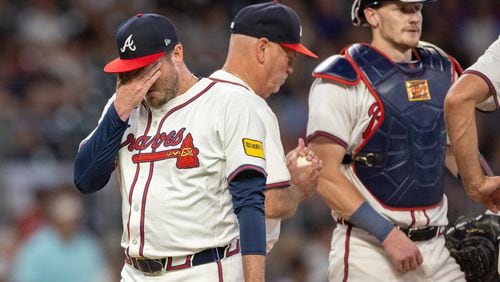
(253, 148)
(418, 90)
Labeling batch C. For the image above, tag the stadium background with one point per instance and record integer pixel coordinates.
(52, 90)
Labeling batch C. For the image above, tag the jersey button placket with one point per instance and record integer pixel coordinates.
(135, 216)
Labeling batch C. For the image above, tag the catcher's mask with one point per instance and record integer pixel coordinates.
(357, 15)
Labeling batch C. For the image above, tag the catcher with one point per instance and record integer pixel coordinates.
(474, 243)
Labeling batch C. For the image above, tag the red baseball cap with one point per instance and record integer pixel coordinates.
(274, 21)
(142, 40)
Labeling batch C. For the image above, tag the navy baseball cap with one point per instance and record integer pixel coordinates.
(142, 40)
(274, 21)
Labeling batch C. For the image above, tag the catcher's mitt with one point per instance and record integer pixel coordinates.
(473, 242)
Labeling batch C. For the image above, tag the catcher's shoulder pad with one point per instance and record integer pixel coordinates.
(435, 51)
(432, 48)
(337, 68)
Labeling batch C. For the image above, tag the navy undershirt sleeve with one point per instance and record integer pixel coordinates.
(95, 160)
(248, 202)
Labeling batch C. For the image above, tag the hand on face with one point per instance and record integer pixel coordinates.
(132, 87)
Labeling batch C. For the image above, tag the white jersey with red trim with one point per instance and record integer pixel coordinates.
(343, 113)
(487, 68)
(278, 175)
(174, 164)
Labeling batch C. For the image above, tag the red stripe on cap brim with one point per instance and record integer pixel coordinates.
(299, 48)
(123, 65)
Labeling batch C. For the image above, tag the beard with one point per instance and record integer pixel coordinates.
(165, 90)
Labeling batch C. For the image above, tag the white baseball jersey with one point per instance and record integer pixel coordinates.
(343, 113)
(277, 171)
(487, 68)
(174, 164)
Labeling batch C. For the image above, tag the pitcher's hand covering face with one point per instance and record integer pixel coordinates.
(132, 87)
(166, 87)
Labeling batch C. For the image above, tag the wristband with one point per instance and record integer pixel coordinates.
(366, 218)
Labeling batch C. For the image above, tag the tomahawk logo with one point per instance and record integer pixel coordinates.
(129, 43)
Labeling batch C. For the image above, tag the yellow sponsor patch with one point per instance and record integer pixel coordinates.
(418, 90)
(253, 148)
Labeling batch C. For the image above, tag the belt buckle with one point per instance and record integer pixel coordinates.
(144, 266)
(414, 235)
(411, 232)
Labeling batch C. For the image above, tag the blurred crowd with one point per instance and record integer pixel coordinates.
(52, 90)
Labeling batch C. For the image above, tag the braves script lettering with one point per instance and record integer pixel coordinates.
(173, 138)
(186, 154)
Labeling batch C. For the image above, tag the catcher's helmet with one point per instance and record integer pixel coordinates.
(357, 15)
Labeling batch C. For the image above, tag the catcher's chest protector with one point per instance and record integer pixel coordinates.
(412, 136)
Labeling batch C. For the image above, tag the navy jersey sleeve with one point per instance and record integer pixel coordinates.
(248, 201)
(96, 157)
